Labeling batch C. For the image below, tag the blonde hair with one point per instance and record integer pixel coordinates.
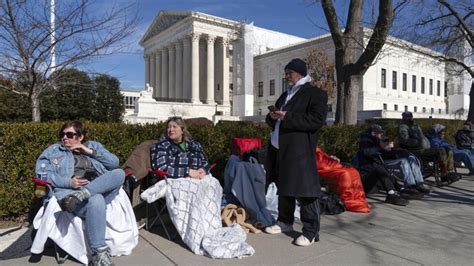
(180, 122)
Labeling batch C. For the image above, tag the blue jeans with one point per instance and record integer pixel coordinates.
(103, 190)
(410, 169)
(465, 156)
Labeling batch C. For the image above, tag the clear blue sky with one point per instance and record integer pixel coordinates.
(297, 17)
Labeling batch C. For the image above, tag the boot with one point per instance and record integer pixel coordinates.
(101, 258)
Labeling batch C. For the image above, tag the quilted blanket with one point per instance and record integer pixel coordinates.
(194, 208)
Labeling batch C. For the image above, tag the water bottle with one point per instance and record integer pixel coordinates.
(42, 173)
(41, 189)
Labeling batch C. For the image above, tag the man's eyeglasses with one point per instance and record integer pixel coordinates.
(69, 135)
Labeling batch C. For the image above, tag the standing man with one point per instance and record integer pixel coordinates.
(295, 119)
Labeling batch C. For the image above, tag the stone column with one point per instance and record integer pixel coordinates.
(147, 70)
(157, 87)
(179, 71)
(195, 67)
(210, 70)
(187, 69)
(164, 73)
(152, 70)
(225, 72)
(171, 73)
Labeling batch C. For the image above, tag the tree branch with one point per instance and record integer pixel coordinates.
(377, 40)
(333, 24)
(467, 30)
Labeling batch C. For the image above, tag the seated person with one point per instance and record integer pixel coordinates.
(410, 137)
(343, 180)
(85, 179)
(409, 165)
(436, 137)
(193, 196)
(464, 137)
(177, 154)
(371, 167)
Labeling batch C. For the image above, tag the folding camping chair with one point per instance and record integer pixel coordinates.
(52, 223)
(42, 193)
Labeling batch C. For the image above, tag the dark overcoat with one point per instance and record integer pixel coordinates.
(298, 137)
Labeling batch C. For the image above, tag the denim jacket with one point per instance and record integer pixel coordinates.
(59, 162)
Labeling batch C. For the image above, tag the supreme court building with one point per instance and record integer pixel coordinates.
(199, 65)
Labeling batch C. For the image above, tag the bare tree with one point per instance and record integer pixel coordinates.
(447, 28)
(352, 56)
(82, 31)
(321, 70)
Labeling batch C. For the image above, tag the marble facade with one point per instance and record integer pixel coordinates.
(198, 65)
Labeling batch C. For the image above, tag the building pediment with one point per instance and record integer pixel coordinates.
(164, 20)
(167, 19)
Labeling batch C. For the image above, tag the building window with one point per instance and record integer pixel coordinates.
(422, 85)
(413, 83)
(431, 86)
(438, 88)
(439, 110)
(424, 109)
(395, 107)
(445, 89)
(231, 69)
(385, 106)
(130, 102)
(272, 87)
(329, 107)
(231, 87)
(406, 108)
(284, 85)
(404, 85)
(260, 89)
(432, 110)
(394, 80)
(384, 78)
(415, 109)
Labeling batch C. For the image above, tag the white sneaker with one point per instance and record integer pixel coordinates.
(302, 241)
(278, 228)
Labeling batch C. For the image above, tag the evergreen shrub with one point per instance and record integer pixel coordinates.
(22, 143)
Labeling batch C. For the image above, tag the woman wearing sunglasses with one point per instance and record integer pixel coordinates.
(85, 179)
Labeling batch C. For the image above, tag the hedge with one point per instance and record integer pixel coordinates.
(22, 143)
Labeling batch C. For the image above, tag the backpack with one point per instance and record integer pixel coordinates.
(330, 204)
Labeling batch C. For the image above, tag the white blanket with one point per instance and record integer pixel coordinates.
(66, 229)
(194, 208)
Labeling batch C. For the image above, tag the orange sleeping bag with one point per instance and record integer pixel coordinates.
(343, 180)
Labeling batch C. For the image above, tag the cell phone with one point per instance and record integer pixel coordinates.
(272, 108)
(90, 175)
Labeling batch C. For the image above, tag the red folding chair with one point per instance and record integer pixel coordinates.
(42, 192)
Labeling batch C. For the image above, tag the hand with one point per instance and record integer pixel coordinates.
(202, 172)
(81, 148)
(77, 181)
(278, 115)
(391, 145)
(197, 174)
(194, 174)
(273, 115)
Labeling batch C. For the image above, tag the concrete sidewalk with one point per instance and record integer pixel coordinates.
(437, 230)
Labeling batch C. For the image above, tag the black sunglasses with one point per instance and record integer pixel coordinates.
(69, 135)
